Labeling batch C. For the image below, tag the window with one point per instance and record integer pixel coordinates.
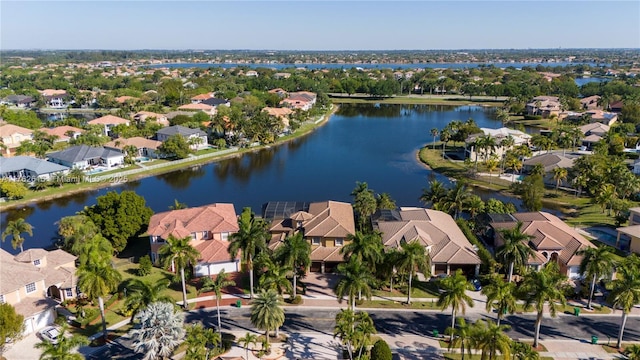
(30, 288)
(224, 236)
(315, 240)
(68, 293)
(193, 236)
(1, 299)
(36, 262)
(339, 241)
(205, 235)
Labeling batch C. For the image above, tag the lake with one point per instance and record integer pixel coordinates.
(374, 144)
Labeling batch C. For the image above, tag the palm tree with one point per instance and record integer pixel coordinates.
(596, 262)
(177, 205)
(354, 329)
(366, 247)
(200, 341)
(389, 266)
(64, 348)
(445, 137)
(434, 133)
(491, 164)
(363, 330)
(385, 202)
(413, 257)
(267, 313)
(247, 340)
(251, 238)
(461, 337)
(161, 331)
(453, 294)
(632, 352)
(544, 287)
(625, 294)
(560, 175)
(523, 351)
(96, 250)
(142, 293)
(364, 202)
(515, 250)
(15, 228)
(500, 296)
(435, 193)
(491, 339)
(457, 198)
(357, 279)
(295, 253)
(276, 277)
(178, 254)
(95, 280)
(222, 281)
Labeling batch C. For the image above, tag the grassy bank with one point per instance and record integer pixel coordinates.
(416, 99)
(70, 188)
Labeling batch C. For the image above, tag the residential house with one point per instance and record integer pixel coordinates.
(551, 240)
(63, 133)
(209, 228)
(200, 98)
(593, 133)
(549, 162)
(441, 237)
(12, 136)
(303, 100)
(607, 118)
(281, 75)
(616, 106)
(280, 92)
(196, 137)
(208, 109)
(280, 113)
(19, 101)
(144, 116)
(30, 169)
(54, 98)
(33, 280)
(630, 234)
(544, 106)
(590, 102)
(85, 157)
(108, 122)
(215, 102)
(251, 73)
(325, 225)
(519, 138)
(146, 147)
(124, 99)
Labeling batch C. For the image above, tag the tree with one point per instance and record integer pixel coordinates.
(178, 254)
(453, 294)
(221, 282)
(96, 279)
(434, 133)
(491, 339)
(175, 146)
(356, 280)
(531, 190)
(15, 228)
(381, 351)
(295, 253)
(625, 293)
(96, 250)
(366, 247)
(76, 230)
(64, 348)
(500, 296)
(251, 238)
(354, 329)
(131, 152)
(144, 266)
(560, 175)
(544, 287)
(523, 351)
(12, 189)
(119, 216)
(457, 199)
(515, 250)
(596, 262)
(460, 337)
(11, 325)
(177, 205)
(276, 276)
(200, 341)
(632, 352)
(247, 340)
(384, 201)
(364, 202)
(267, 313)
(413, 257)
(435, 193)
(161, 331)
(142, 293)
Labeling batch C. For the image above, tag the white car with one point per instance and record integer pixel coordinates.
(50, 334)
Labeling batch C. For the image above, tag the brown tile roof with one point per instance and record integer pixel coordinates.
(216, 218)
(15, 275)
(212, 251)
(278, 112)
(29, 255)
(203, 107)
(61, 131)
(322, 253)
(433, 229)
(138, 142)
(202, 96)
(108, 120)
(29, 307)
(58, 266)
(123, 99)
(52, 92)
(331, 219)
(10, 129)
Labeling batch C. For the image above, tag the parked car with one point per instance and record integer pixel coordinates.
(50, 334)
(475, 283)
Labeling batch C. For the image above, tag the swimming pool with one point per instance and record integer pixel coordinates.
(94, 171)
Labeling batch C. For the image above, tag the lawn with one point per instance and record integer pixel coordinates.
(419, 289)
(386, 304)
(129, 272)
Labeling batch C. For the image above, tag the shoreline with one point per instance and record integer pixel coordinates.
(169, 167)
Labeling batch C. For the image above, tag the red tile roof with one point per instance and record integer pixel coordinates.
(215, 218)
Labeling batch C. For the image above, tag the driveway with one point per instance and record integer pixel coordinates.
(24, 349)
(320, 285)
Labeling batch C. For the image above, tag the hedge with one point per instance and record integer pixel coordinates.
(485, 256)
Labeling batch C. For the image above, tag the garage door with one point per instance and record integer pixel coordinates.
(43, 319)
(28, 326)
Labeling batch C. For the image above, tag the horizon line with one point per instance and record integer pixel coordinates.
(319, 50)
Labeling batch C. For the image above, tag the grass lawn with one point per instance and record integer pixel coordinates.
(130, 271)
(478, 357)
(612, 349)
(541, 348)
(419, 289)
(386, 304)
(425, 99)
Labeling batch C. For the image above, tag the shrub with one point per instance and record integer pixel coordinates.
(532, 117)
(297, 300)
(145, 266)
(381, 351)
(90, 314)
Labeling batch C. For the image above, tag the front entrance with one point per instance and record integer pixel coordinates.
(54, 293)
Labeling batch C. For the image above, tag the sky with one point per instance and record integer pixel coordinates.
(318, 25)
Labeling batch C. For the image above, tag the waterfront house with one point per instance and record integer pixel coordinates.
(519, 138)
(84, 157)
(19, 101)
(593, 133)
(209, 228)
(63, 133)
(303, 100)
(145, 147)
(54, 98)
(544, 106)
(199, 98)
(280, 113)
(108, 122)
(34, 281)
(630, 234)
(196, 137)
(207, 109)
(596, 115)
(590, 102)
(441, 237)
(549, 162)
(325, 225)
(551, 240)
(12, 136)
(144, 116)
(30, 169)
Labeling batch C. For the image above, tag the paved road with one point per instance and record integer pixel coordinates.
(321, 320)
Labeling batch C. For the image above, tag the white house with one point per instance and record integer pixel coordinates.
(83, 157)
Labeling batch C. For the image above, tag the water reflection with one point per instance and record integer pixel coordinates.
(181, 179)
(241, 168)
(21, 213)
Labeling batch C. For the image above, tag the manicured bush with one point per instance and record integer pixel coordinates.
(381, 351)
(488, 262)
(532, 117)
(297, 300)
(144, 266)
